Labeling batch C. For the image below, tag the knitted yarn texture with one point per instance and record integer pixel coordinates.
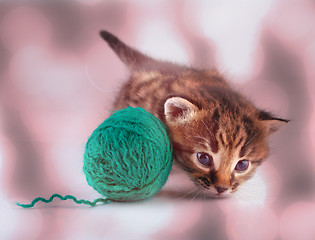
(129, 156)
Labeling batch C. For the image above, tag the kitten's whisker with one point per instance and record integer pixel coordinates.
(251, 139)
(206, 140)
(253, 191)
(197, 194)
(92, 82)
(211, 134)
(185, 195)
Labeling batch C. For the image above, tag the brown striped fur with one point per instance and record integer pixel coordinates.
(203, 114)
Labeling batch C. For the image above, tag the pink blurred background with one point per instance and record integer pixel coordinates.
(58, 80)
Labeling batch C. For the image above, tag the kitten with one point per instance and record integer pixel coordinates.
(219, 137)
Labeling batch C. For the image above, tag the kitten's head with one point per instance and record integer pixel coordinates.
(219, 137)
(219, 146)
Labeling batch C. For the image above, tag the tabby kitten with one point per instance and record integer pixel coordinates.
(219, 137)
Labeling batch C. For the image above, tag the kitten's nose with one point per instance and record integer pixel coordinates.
(221, 189)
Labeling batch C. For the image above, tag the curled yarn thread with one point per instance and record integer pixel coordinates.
(32, 204)
(129, 156)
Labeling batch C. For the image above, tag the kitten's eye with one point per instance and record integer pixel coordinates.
(242, 165)
(205, 159)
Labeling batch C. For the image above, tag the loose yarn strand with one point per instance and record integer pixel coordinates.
(82, 201)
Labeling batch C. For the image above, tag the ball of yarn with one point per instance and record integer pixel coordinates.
(129, 156)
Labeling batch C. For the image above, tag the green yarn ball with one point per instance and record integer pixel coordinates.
(129, 156)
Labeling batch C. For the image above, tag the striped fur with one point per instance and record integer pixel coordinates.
(203, 114)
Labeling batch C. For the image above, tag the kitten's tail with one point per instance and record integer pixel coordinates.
(132, 58)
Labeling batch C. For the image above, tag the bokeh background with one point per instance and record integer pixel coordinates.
(57, 83)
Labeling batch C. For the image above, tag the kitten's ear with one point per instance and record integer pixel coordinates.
(273, 124)
(132, 58)
(179, 110)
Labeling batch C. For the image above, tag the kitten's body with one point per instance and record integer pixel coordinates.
(215, 131)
